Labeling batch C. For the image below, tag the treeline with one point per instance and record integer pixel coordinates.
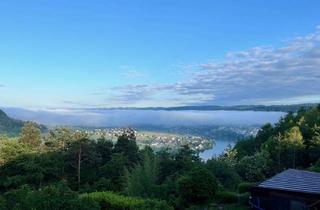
(66, 170)
(293, 142)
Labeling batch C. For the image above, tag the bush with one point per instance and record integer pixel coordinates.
(244, 198)
(197, 186)
(245, 187)
(225, 172)
(2, 203)
(87, 204)
(227, 197)
(53, 197)
(112, 201)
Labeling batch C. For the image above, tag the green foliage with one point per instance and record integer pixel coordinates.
(224, 171)
(49, 172)
(112, 201)
(82, 159)
(142, 180)
(197, 186)
(227, 197)
(247, 147)
(30, 135)
(3, 204)
(33, 169)
(293, 142)
(315, 167)
(104, 148)
(243, 198)
(245, 187)
(53, 197)
(127, 146)
(11, 149)
(244, 147)
(58, 138)
(254, 168)
(115, 171)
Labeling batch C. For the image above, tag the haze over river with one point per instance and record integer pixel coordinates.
(152, 119)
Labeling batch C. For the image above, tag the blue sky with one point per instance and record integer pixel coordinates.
(77, 53)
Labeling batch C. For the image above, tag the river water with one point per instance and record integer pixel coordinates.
(151, 118)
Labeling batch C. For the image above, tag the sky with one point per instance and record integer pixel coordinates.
(142, 53)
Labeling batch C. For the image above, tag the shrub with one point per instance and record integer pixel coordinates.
(245, 187)
(243, 198)
(53, 197)
(227, 197)
(112, 201)
(197, 186)
(2, 203)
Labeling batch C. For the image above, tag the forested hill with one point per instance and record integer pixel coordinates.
(12, 127)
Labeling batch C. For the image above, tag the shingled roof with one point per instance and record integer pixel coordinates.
(295, 181)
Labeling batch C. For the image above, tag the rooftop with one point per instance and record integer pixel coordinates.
(294, 180)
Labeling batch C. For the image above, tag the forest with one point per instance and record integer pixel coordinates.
(63, 169)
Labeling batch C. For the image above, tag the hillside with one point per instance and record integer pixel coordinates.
(8, 125)
(12, 127)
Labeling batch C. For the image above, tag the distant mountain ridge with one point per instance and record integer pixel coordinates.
(12, 127)
(275, 108)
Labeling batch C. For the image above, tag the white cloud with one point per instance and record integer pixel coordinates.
(261, 74)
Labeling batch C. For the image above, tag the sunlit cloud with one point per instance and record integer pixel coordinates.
(261, 74)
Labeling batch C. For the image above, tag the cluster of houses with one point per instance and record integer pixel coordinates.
(155, 139)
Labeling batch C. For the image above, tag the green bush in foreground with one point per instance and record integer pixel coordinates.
(112, 201)
(245, 187)
(227, 197)
(54, 197)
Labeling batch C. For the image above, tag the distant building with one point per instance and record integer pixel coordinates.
(289, 190)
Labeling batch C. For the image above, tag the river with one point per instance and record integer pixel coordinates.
(153, 119)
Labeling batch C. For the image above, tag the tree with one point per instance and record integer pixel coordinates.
(186, 159)
(104, 149)
(33, 169)
(276, 149)
(115, 171)
(294, 139)
(59, 139)
(11, 149)
(224, 171)
(30, 135)
(3, 138)
(142, 180)
(197, 186)
(83, 157)
(127, 145)
(254, 168)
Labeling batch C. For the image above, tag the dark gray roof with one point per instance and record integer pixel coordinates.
(295, 181)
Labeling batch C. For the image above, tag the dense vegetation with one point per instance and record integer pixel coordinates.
(66, 170)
